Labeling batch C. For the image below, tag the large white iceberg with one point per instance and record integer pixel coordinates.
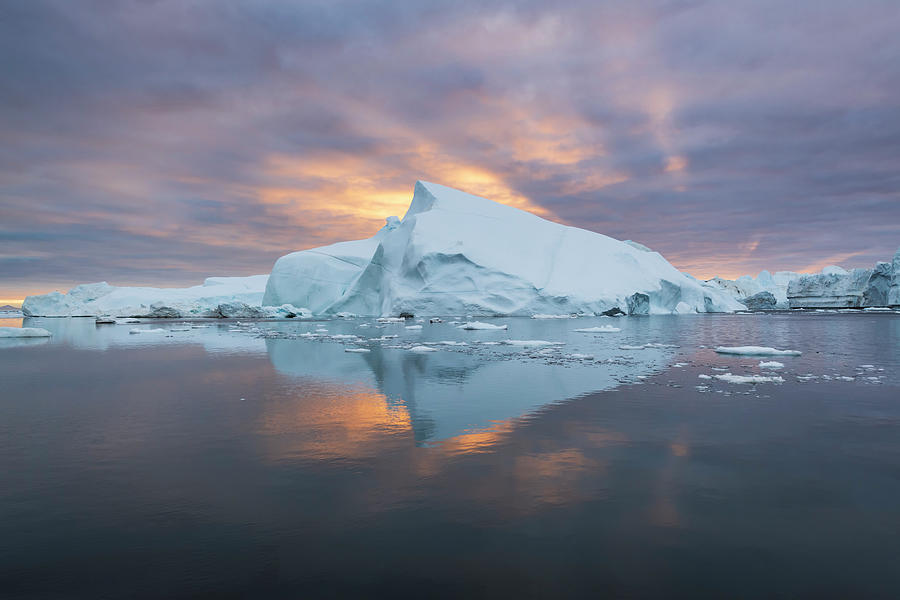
(94, 299)
(455, 253)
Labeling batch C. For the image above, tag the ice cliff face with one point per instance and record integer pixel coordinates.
(859, 288)
(747, 286)
(454, 253)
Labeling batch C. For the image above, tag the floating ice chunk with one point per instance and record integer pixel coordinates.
(543, 316)
(479, 325)
(702, 376)
(531, 343)
(179, 328)
(680, 365)
(450, 343)
(845, 378)
(647, 345)
(422, 349)
(581, 356)
(414, 327)
(867, 366)
(357, 350)
(22, 332)
(756, 351)
(729, 378)
(151, 330)
(770, 364)
(600, 329)
(344, 336)
(390, 320)
(878, 309)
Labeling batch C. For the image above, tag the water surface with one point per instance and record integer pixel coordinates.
(262, 460)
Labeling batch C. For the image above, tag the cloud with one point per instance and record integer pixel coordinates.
(159, 142)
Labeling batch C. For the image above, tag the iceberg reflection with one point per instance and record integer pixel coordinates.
(467, 391)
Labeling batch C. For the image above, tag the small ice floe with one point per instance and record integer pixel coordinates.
(578, 356)
(729, 378)
(543, 316)
(179, 328)
(321, 330)
(422, 349)
(23, 332)
(756, 351)
(361, 325)
(344, 336)
(479, 326)
(390, 319)
(867, 367)
(531, 343)
(385, 338)
(199, 326)
(600, 329)
(450, 343)
(845, 378)
(647, 345)
(680, 365)
(807, 377)
(488, 343)
(878, 309)
(357, 350)
(770, 364)
(414, 327)
(105, 321)
(702, 376)
(702, 388)
(151, 330)
(435, 320)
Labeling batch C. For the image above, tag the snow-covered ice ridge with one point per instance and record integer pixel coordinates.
(455, 253)
(833, 287)
(217, 297)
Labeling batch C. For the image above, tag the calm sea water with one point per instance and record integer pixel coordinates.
(262, 460)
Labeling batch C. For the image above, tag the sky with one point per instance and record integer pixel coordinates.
(160, 142)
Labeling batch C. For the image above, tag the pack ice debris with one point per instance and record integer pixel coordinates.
(599, 329)
(729, 378)
(481, 326)
(756, 351)
(770, 364)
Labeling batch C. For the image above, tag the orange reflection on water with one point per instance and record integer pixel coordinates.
(327, 425)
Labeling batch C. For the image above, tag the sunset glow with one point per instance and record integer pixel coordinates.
(141, 155)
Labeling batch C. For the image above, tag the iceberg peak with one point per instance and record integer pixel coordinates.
(457, 253)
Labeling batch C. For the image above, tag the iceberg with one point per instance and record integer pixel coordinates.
(832, 287)
(455, 253)
(753, 292)
(102, 299)
(894, 289)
